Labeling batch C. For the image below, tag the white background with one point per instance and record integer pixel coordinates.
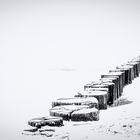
(50, 49)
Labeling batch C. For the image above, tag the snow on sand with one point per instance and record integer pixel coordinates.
(118, 122)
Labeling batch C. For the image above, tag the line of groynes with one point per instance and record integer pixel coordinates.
(96, 96)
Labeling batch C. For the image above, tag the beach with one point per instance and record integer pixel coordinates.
(51, 49)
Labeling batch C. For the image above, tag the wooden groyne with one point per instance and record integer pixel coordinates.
(86, 105)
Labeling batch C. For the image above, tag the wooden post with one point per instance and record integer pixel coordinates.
(101, 96)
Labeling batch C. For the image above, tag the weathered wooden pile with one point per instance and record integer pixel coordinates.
(86, 105)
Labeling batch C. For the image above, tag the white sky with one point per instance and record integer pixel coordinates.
(42, 35)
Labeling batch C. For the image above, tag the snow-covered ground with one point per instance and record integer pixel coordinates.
(118, 122)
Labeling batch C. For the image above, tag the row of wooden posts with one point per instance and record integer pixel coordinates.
(86, 105)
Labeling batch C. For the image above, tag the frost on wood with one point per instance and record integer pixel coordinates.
(111, 90)
(43, 121)
(91, 114)
(91, 102)
(75, 112)
(98, 95)
(101, 96)
(118, 78)
(127, 71)
(66, 110)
